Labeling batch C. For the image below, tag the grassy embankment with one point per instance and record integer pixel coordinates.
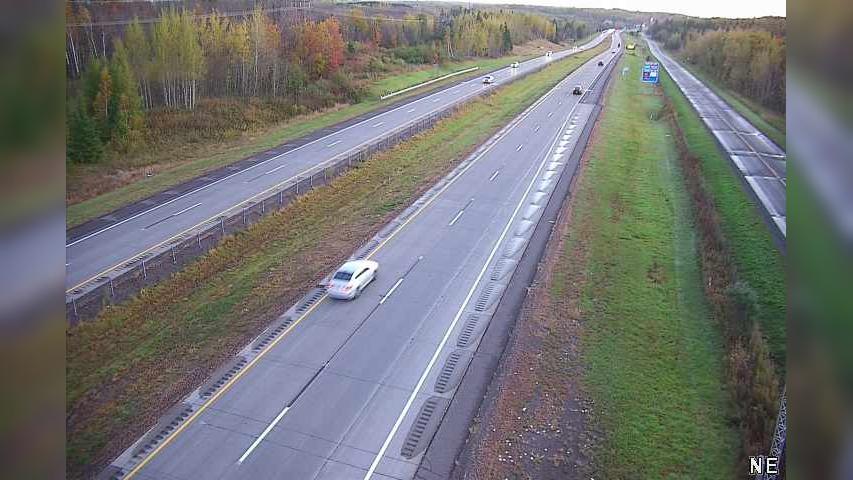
(135, 360)
(95, 190)
(769, 122)
(652, 354)
(756, 258)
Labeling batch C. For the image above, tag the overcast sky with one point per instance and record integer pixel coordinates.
(696, 8)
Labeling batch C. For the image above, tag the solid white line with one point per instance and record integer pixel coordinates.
(385, 297)
(456, 318)
(334, 143)
(456, 217)
(263, 434)
(185, 210)
(494, 175)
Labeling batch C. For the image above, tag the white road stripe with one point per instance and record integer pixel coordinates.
(456, 218)
(333, 143)
(385, 297)
(263, 434)
(549, 114)
(494, 175)
(410, 110)
(536, 129)
(518, 148)
(185, 210)
(379, 124)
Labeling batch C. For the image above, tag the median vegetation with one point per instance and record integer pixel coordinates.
(652, 353)
(136, 360)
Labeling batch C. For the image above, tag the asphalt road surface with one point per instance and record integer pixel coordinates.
(761, 162)
(354, 389)
(118, 241)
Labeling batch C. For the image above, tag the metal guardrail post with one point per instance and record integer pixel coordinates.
(112, 288)
(174, 259)
(144, 271)
(222, 225)
(297, 184)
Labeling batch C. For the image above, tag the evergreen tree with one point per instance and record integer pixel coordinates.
(83, 144)
(507, 40)
(125, 115)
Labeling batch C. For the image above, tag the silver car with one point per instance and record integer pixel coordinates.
(349, 281)
(488, 79)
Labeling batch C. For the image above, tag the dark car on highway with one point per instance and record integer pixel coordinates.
(578, 90)
(600, 63)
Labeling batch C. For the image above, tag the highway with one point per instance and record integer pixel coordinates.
(354, 390)
(760, 162)
(113, 240)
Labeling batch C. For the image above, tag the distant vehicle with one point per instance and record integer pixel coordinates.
(613, 51)
(600, 63)
(513, 65)
(349, 281)
(488, 79)
(578, 90)
(549, 53)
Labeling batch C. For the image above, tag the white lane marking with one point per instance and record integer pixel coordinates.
(456, 217)
(549, 114)
(519, 147)
(455, 320)
(379, 124)
(494, 175)
(385, 297)
(537, 128)
(276, 169)
(266, 432)
(334, 143)
(410, 110)
(436, 100)
(185, 210)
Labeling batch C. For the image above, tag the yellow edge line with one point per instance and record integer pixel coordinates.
(275, 342)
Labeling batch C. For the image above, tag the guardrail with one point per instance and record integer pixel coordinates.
(429, 82)
(86, 301)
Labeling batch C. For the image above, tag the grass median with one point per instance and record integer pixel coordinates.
(127, 366)
(652, 354)
(175, 164)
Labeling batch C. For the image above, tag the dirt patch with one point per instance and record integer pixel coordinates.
(536, 419)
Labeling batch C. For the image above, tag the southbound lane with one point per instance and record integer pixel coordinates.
(99, 252)
(761, 162)
(353, 390)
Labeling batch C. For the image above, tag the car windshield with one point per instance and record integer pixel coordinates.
(343, 275)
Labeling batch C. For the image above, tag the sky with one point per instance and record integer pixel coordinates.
(696, 8)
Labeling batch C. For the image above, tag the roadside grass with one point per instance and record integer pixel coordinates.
(135, 360)
(124, 181)
(653, 355)
(755, 255)
(769, 122)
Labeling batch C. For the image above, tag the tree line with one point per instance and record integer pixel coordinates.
(748, 56)
(182, 58)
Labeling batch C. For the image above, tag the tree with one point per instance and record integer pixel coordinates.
(101, 102)
(83, 144)
(125, 119)
(506, 47)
